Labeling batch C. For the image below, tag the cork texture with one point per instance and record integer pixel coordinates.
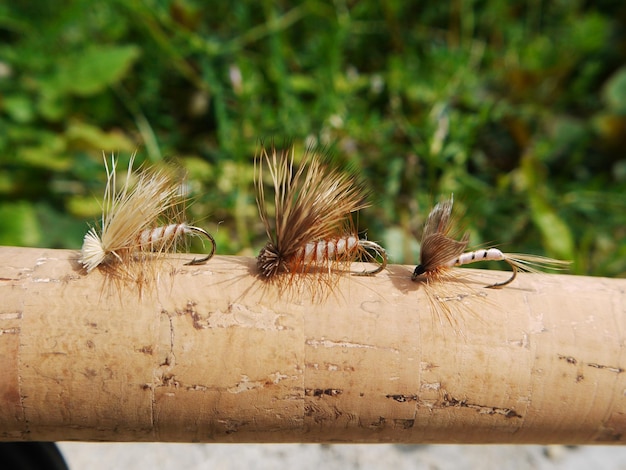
(214, 354)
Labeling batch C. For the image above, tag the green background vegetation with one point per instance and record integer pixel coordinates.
(516, 107)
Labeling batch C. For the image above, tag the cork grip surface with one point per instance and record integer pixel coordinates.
(213, 354)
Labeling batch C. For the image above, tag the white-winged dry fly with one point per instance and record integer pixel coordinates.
(137, 220)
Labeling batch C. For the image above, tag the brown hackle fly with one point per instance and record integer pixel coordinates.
(443, 247)
(312, 229)
(136, 220)
(440, 251)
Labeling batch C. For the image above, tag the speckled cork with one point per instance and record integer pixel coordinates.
(214, 354)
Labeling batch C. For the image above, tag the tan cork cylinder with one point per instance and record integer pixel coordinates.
(213, 354)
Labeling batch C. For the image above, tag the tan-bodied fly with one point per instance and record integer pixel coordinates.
(137, 220)
(311, 230)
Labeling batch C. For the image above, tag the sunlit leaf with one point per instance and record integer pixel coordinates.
(557, 236)
(19, 225)
(614, 92)
(95, 68)
(19, 107)
(87, 136)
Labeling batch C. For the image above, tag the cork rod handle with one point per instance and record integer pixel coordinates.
(213, 354)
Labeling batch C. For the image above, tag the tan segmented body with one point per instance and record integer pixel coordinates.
(158, 238)
(328, 250)
(311, 226)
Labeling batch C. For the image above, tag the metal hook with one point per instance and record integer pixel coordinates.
(379, 250)
(497, 285)
(199, 231)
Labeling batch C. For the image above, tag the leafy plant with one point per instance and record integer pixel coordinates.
(516, 108)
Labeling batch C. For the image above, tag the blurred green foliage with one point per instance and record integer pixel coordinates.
(518, 108)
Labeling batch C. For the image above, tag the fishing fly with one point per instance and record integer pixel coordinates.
(440, 251)
(133, 219)
(313, 229)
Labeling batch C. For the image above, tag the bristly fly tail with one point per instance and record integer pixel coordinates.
(535, 263)
(529, 263)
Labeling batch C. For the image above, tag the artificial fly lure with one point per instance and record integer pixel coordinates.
(312, 225)
(440, 251)
(132, 220)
